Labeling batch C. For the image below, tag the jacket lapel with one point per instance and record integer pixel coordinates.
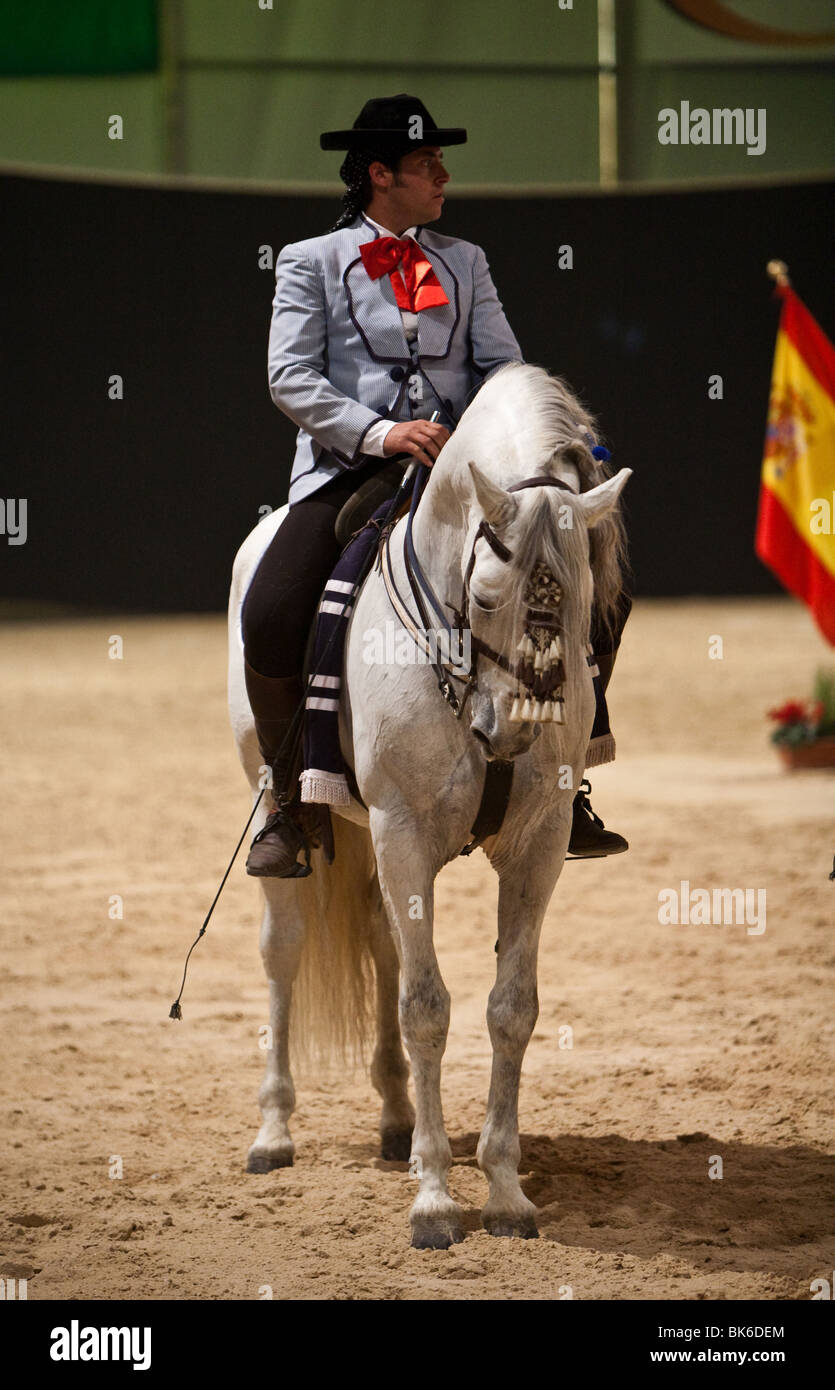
(437, 325)
(375, 313)
(372, 306)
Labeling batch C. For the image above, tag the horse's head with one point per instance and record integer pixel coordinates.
(527, 577)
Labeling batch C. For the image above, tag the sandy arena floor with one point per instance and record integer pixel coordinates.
(689, 1041)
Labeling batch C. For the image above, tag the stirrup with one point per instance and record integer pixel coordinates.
(281, 819)
(598, 847)
(584, 792)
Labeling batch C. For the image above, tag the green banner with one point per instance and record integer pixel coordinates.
(52, 37)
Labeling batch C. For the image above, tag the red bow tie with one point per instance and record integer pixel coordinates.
(422, 289)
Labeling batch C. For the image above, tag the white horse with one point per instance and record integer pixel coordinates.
(364, 925)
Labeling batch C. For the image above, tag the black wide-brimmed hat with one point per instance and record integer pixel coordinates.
(390, 118)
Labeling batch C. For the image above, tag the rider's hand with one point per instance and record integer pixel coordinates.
(423, 439)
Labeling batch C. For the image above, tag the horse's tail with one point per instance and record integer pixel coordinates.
(333, 1015)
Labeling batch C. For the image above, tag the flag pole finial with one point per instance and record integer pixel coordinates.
(779, 272)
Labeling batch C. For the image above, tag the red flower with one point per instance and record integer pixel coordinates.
(792, 712)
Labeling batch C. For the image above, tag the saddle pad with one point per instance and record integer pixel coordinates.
(323, 779)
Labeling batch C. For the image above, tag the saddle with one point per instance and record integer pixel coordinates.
(369, 496)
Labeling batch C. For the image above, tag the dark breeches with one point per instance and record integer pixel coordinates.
(282, 598)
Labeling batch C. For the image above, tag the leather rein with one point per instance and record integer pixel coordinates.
(426, 598)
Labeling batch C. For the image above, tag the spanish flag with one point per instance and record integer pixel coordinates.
(796, 520)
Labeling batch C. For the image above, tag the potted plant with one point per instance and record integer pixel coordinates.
(805, 732)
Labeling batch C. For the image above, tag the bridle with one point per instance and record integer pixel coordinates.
(526, 669)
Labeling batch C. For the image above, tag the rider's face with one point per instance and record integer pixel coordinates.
(416, 189)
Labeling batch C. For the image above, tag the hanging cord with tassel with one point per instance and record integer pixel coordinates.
(176, 1011)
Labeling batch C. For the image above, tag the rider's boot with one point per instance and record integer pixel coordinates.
(274, 701)
(589, 837)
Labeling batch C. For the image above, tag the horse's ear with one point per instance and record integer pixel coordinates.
(599, 501)
(497, 505)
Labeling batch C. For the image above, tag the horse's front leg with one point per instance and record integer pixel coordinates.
(407, 880)
(512, 1010)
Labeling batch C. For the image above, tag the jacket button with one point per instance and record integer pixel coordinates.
(397, 373)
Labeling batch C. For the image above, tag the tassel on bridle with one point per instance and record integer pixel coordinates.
(540, 673)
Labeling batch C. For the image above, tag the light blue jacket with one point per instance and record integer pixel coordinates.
(339, 358)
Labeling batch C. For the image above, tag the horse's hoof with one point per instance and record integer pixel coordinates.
(435, 1233)
(265, 1160)
(523, 1226)
(396, 1144)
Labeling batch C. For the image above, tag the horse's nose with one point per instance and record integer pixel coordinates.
(483, 722)
(482, 738)
(500, 739)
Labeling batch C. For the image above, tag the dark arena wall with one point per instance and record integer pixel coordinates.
(140, 504)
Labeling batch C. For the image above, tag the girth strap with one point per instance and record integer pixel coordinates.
(498, 780)
(495, 796)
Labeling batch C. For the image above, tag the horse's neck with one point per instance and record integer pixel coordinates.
(439, 534)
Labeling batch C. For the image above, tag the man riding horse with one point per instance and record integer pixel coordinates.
(377, 325)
